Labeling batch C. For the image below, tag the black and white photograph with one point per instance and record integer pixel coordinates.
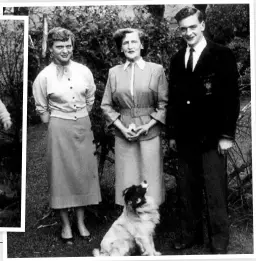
(139, 129)
(1, 247)
(12, 126)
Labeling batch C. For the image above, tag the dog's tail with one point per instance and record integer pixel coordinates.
(96, 252)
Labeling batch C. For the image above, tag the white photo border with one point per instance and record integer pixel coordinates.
(240, 257)
(24, 123)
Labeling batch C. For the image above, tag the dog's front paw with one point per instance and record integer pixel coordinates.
(96, 252)
(156, 253)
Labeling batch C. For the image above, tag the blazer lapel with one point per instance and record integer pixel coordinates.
(181, 59)
(204, 58)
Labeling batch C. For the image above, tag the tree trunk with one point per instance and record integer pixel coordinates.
(44, 42)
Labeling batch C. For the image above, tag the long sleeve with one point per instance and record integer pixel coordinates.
(4, 114)
(107, 104)
(230, 94)
(91, 90)
(68, 95)
(162, 90)
(40, 94)
(169, 115)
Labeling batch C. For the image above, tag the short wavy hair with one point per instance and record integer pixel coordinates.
(60, 34)
(120, 34)
(188, 11)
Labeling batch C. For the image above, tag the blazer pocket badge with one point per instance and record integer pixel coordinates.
(208, 84)
(208, 87)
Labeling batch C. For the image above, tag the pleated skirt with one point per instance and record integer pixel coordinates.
(138, 161)
(72, 166)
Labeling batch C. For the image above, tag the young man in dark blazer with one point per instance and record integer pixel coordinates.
(202, 113)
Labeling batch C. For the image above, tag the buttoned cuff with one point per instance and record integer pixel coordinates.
(224, 136)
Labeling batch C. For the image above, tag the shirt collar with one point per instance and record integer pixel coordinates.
(200, 46)
(141, 63)
(63, 69)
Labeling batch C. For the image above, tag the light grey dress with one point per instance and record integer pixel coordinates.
(142, 159)
(64, 93)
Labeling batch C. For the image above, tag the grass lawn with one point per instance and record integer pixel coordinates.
(44, 241)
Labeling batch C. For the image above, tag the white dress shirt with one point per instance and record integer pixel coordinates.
(197, 52)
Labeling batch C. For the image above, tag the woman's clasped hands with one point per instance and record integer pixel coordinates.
(132, 133)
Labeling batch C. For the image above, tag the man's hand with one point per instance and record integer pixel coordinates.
(172, 145)
(224, 145)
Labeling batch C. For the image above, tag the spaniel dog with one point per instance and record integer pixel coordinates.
(134, 228)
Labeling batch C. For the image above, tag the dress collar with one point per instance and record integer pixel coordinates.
(141, 64)
(63, 69)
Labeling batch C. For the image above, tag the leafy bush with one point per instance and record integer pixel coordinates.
(11, 93)
(226, 21)
(229, 25)
(93, 27)
(11, 71)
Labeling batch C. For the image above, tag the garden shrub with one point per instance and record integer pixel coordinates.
(11, 93)
(93, 27)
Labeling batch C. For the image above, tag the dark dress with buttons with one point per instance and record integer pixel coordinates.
(203, 108)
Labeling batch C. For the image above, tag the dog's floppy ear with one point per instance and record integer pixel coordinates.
(128, 189)
(124, 191)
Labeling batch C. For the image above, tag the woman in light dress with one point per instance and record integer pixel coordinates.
(135, 102)
(64, 94)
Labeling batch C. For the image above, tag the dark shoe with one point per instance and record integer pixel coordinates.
(216, 251)
(219, 244)
(179, 245)
(86, 238)
(67, 241)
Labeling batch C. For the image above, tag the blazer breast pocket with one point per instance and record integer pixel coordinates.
(208, 81)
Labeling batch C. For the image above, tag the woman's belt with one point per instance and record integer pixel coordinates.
(72, 115)
(136, 112)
